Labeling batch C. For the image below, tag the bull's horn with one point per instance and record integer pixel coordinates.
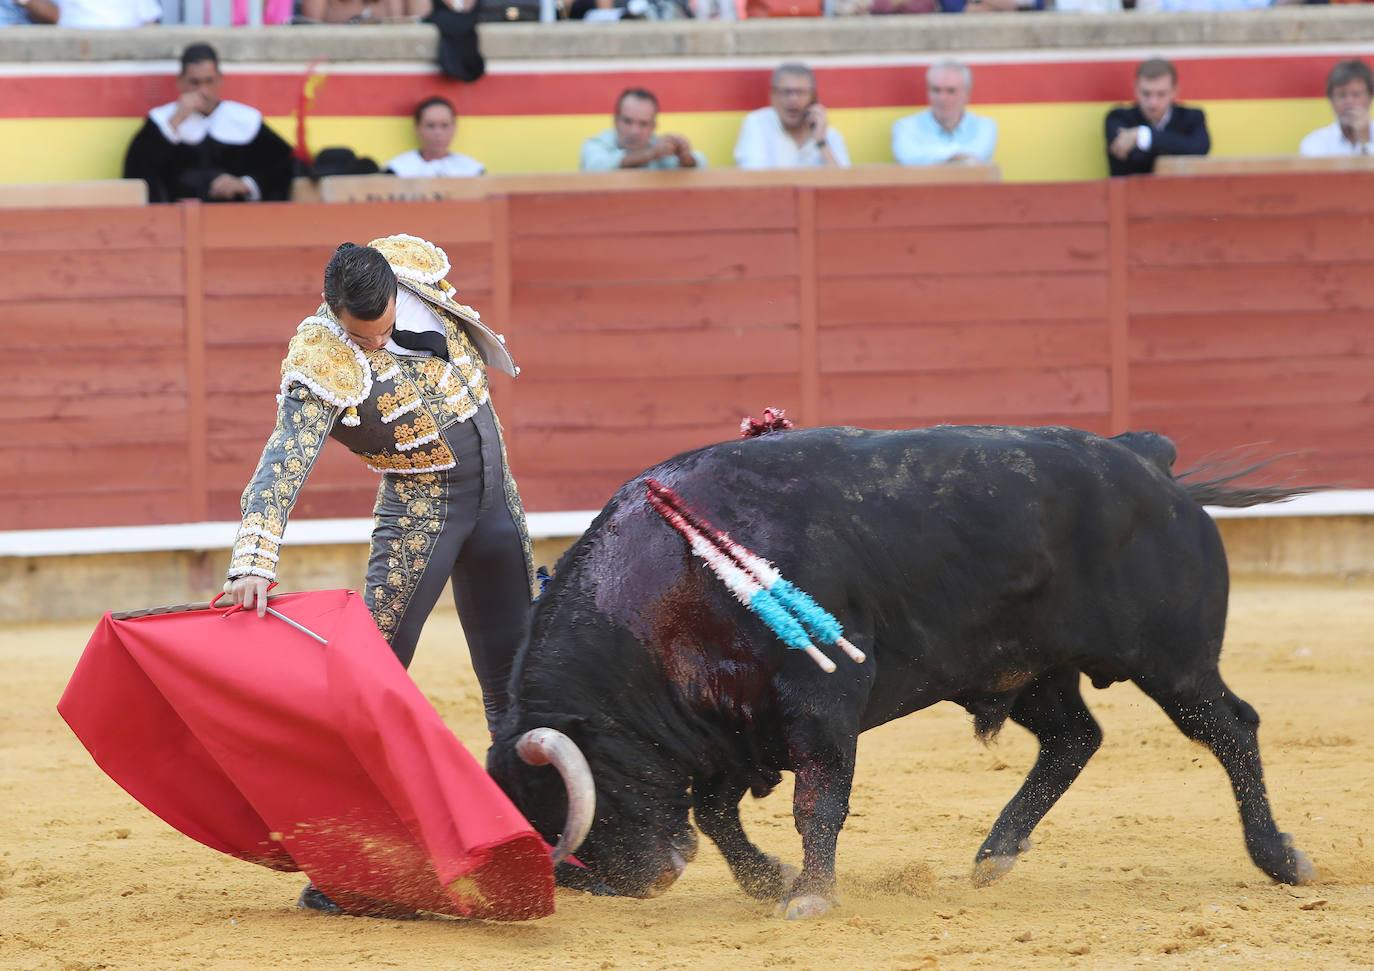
(545, 746)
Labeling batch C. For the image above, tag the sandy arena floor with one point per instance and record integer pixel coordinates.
(1141, 864)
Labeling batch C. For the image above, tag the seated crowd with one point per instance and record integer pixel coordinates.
(137, 13)
(203, 147)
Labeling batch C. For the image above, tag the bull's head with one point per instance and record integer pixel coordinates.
(631, 833)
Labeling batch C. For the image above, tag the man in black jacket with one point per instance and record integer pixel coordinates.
(202, 147)
(1155, 125)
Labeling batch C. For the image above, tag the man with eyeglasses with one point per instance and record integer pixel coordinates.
(793, 131)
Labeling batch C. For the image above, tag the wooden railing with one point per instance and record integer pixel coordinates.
(144, 342)
(1260, 164)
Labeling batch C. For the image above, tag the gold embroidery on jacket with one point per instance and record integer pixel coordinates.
(434, 459)
(408, 547)
(287, 459)
(327, 364)
(419, 432)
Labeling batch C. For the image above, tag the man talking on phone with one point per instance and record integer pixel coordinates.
(793, 132)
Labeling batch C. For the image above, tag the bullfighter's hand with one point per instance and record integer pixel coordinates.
(249, 591)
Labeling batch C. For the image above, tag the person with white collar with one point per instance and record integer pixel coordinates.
(202, 147)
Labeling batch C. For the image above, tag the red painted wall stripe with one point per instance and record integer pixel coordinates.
(731, 89)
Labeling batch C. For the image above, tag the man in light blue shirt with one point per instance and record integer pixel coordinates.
(13, 13)
(946, 131)
(632, 144)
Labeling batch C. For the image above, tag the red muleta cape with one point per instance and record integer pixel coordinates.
(258, 741)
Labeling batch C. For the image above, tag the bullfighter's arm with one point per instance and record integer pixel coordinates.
(303, 424)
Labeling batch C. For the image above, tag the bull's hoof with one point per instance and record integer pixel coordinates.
(990, 869)
(1302, 869)
(770, 881)
(806, 907)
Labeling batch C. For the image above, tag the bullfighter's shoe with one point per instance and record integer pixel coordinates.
(312, 898)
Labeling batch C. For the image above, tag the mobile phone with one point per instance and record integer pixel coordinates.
(811, 123)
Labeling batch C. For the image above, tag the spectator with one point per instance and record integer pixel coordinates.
(273, 12)
(199, 147)
(1089, 6)
(363, 11)
(632, 144)
(991, 6)
(794, 131)
(84, 13)
(946, 131)
(1155, 125)
(16, 14)
(1348, 88)
(1177, 6)
(436, 123)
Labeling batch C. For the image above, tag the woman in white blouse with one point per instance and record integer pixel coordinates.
(435, 125)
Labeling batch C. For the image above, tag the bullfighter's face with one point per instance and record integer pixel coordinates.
(370, 335)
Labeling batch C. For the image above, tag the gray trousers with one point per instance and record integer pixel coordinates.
(455, 524)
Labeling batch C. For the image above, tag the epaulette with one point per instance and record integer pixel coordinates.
(325, 361)
(413, 258)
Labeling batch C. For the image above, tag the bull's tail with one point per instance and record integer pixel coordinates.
(1217, 483)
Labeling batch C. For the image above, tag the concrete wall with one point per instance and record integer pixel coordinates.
(687, 39)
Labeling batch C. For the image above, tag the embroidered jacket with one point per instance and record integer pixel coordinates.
(387, 408)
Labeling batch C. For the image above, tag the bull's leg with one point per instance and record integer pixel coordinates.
(1052, 708)
(823, 760)
(716, 806)
(1217, 718)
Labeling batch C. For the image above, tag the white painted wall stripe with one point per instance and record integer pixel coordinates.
(546, 525)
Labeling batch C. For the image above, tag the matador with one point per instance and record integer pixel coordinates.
(394, 367)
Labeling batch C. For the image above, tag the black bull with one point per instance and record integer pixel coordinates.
(986, 566)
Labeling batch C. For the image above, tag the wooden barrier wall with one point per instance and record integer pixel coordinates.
(145, 343)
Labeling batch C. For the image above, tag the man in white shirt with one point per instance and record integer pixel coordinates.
(946, 131)
(793, 132)
(436, 123)
(1348, 88)
(113, 14)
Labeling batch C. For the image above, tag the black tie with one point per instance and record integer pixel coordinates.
(421, 340)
